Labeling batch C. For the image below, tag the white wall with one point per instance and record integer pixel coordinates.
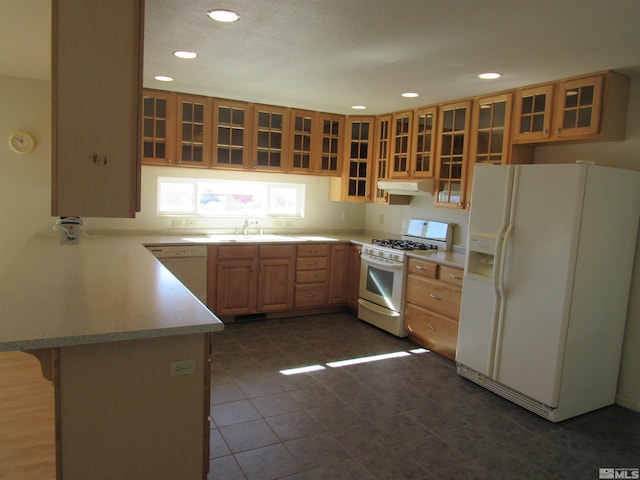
(25, 180)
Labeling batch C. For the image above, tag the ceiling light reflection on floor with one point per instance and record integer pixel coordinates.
(372, 358)
(353, 361)
(309, 368)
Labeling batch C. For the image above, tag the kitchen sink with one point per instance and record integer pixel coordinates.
(252, 238)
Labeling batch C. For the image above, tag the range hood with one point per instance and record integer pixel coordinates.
(407, 187)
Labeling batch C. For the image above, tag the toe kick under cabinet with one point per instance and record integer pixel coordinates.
(432, 305)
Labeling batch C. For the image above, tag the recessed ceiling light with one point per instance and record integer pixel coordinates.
(489, 75)
(163, 78)
(225, 16)
(185, 54)
(359, 107)
(410, 94)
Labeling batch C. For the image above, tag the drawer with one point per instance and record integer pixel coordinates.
(451, 275)
(236, 252)
(311, 276)
(310, 295)
(277, 251)
(313, 250)
(434, 295)
(431, 327)
(312, 263)
(420, 267)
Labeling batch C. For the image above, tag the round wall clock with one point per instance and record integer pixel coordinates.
(22, 142)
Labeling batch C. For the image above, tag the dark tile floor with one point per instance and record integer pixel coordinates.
(408, 417)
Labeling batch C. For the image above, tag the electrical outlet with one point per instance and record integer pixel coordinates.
(176, 222)
(343, 216)
(288, 223)
(182, 367)
(277, 223)
(191, 222)
(381, 218)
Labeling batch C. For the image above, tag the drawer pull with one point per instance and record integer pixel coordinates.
(455, 277)
(311, 276)
(420, 267)
(312, 263)
(435, 297)
(309, 295)
(431, 327)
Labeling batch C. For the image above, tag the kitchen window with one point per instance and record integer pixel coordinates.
(231, 198)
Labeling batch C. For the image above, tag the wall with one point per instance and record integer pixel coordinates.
(25, 180)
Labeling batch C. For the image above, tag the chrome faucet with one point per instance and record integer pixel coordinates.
(245, 225)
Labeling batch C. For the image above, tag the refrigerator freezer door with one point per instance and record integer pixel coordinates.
(538, 278)
(480, 303)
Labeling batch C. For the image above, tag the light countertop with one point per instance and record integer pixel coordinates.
(107, 288)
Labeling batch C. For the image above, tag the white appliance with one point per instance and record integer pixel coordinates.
(549, 260)
(188, 264)
(383, 266)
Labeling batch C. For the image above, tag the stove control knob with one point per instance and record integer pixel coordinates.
(380, 254)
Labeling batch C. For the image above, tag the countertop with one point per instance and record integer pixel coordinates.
(110, 288)
(107, 288)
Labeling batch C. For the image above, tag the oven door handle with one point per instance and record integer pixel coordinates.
(374, 261)
(378, 309)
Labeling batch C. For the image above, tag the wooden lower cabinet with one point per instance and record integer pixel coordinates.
(432, 305)
(252, 279)
(281, 278)
(312, 264)
(353, 285)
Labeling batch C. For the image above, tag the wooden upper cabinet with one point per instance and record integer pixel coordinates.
(592, 107)
(452, 153)
(158, 132)
(360, 153)
(303, 144)
(382, 152)
(491, 130)
(97, 103)
(331, 133)
(270, 139)
(193, 130)
(532, 116)
(401, 136)
(423, 143)
(232, 131)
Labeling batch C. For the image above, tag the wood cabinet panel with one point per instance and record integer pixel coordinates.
(436, 331)
(311, 295)
(312, 263)
(422, 268)
(338, 274)
(434, 295)
(275, 281)
(193, 135)
(311, 276)
(270, 138)
(232, 134)
(312, 250)
(353, 287)
(96, 137)
(158, 133)
(451, 275)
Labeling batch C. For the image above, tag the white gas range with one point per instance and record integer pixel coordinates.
(383, 271)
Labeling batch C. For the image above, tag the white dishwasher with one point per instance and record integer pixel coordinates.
(188, 263)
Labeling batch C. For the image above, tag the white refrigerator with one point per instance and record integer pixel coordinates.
(550, 252)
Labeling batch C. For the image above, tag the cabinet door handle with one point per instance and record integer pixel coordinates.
(558, 130)
(261, 267)
(251, 268)
(435, 297)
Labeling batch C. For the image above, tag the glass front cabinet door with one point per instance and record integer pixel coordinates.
(194, 131)
(158, 121)
(231, 134)
(452, 152)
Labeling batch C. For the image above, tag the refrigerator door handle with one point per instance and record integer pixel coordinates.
(503, 254)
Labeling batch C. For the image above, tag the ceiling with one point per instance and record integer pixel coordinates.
(328, 55)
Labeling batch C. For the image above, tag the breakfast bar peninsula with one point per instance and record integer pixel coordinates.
(104, 365)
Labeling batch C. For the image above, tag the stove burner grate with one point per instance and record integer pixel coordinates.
(403, 244)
